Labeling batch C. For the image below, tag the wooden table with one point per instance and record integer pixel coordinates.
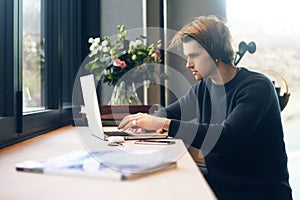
(184, 182)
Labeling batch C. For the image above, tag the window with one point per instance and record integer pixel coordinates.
(33, 56)
(41, 49)
(274, 27)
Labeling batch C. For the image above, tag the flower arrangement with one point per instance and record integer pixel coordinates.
(110, 60)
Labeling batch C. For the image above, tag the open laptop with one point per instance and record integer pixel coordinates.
(94, 118)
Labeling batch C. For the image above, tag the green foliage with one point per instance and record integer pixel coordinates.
(110, 60)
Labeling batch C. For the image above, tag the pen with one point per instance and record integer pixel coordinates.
(155, 142)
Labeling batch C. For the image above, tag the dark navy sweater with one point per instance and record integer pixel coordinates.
(238, 128)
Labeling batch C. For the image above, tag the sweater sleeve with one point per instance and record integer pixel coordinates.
(185, 108)
(253, 99)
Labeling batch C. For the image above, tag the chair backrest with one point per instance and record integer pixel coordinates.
(283, 98)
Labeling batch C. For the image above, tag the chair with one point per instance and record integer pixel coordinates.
(284, 98)
(198, 158)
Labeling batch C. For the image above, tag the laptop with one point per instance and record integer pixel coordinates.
(94, 117)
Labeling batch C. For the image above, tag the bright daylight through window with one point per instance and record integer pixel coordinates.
(274, 27)
(33, 57)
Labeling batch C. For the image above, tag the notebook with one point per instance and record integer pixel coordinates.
(94, 117)
(117, 165)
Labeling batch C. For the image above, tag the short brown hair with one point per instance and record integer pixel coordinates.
(211, 33)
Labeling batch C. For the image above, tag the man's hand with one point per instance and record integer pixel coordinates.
(143, 121)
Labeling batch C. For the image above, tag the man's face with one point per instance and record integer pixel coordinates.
(198, 60)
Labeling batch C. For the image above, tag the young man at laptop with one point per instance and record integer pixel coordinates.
(238, 126)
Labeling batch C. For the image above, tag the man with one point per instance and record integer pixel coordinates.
(238, 124)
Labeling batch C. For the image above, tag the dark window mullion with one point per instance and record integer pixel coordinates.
(9, 60)
(8, 68)
(66, 38)
(18, 65)
(52, 54)
(4, 52)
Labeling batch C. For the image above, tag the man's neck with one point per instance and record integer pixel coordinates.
(224, 73)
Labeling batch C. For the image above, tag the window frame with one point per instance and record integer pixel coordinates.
(63, 47)
(8, 75)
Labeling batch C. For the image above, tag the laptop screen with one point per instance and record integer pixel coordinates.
(91, 105)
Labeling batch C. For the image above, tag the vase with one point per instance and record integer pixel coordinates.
(124, 94)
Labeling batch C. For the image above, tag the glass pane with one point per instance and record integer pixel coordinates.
(277, 37)
(33, 57)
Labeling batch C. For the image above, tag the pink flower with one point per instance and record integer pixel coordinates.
(120, 63)
(156, 55)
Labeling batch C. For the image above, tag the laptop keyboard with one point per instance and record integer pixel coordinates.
(130, 133)
(116, 133)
